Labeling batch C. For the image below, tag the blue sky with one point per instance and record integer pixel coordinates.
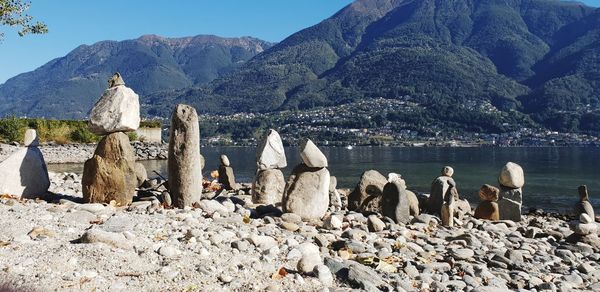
(76, 22)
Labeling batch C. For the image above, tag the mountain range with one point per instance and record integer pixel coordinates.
(483, 63)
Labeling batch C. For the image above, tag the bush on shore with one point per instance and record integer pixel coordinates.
(12, 129)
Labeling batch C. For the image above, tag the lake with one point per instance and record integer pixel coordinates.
(552, 174)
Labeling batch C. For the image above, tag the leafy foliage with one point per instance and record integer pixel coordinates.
(12, 13)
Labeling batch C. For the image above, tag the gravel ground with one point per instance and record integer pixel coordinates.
(229, 244)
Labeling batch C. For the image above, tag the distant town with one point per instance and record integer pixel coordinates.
(361, 123)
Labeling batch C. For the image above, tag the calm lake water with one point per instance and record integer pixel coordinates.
(552, 175)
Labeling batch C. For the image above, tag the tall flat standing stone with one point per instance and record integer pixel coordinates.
(111, 173)
(510, 203)
(118, 109)
(439, 188)
(270, 153)
(185, 170)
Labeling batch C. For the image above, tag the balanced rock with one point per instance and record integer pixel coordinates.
(24, 174)
(489, 193)
(268, 187)
(185, 169)
(447, 171)
(118, 110)
(227, 178)
(512, 176)
(488, 208)
(224, 160)
(367, 194)
(439, 188)
(311, 155)
(307, 192)
(270, 153)
(584, 206)
(447, 209)
(31, 138)
(111, 173)
(395, 203)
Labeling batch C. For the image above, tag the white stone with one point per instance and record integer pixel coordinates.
(270, 153)
(324, 274)
(118, 110)
(311, 155)
(225, 160)
(332, 222)
(310, 257)
(31, 138)
(24, 174)
(512, 176)
(585, 218)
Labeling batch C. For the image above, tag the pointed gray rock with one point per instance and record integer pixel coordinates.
(24, 174)
(270, 153)
(311, 155)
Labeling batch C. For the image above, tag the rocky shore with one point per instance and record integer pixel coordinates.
(228, 243)
(79, 153)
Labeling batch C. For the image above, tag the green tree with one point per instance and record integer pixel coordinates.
(12, 14)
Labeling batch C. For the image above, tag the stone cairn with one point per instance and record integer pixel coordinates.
(511, 180)
(439, 188)
(185, 161)
(448, 207)
(307, 190)
(488, 208)
(585, 213)
(24, 173)
(269, 182)
(226, 176)
(110, 175)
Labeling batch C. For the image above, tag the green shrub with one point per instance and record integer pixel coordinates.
(83, 135)
(12, 129)
(132, 136)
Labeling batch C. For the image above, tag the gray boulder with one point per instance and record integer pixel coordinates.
(24, 174)
(584, 206)
(395, 202)
(185, 169)
(509, 205)
(111, 173)
(227, 177)
(367, 194)
(307, 192)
